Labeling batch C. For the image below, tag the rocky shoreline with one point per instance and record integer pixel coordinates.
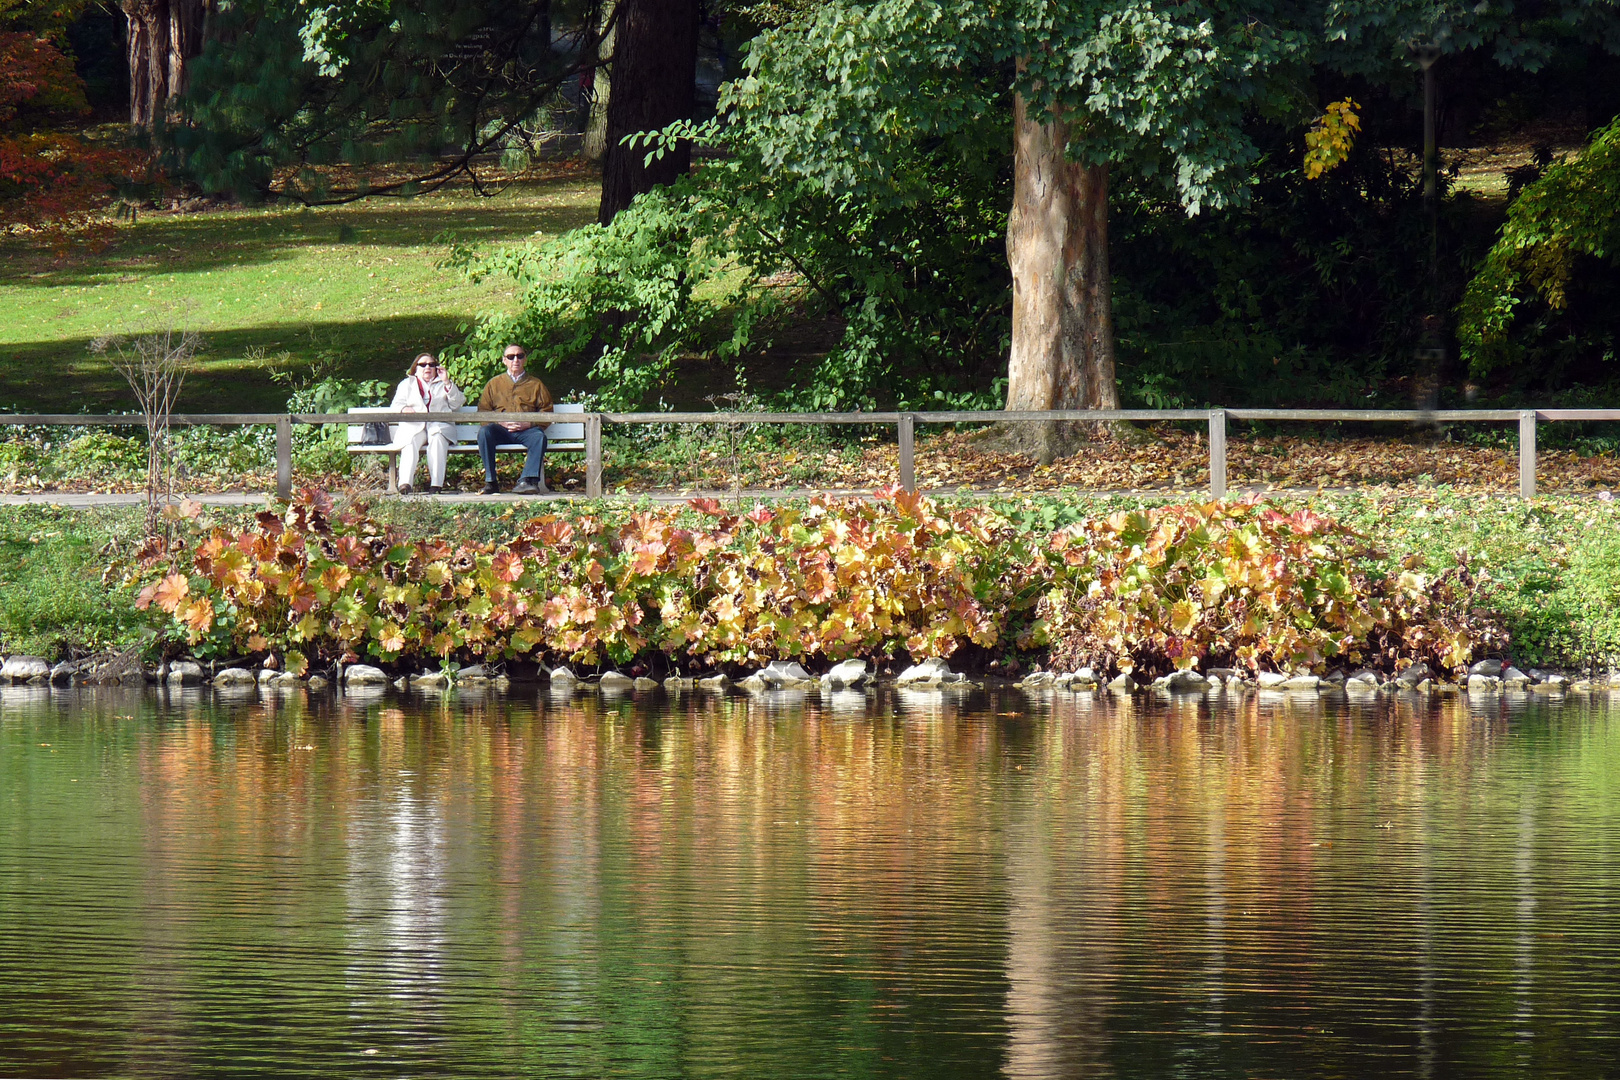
(1490, 676)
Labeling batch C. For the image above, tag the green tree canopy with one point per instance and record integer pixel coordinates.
(1571, 213)
(1163, 89)
(285, 91)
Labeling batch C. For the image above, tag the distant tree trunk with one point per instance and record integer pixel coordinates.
(148, 86)
(1062, 353)
(164, 37)
(654, 84)
(594, 145)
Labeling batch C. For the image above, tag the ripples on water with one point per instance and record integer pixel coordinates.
(908, 884)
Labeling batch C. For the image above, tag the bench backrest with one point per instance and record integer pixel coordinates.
(468, 433)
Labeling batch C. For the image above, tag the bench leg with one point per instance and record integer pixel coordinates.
(393, 474)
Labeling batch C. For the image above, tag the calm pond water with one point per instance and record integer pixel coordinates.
(897, 884)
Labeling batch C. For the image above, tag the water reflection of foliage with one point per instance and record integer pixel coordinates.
(735, 878)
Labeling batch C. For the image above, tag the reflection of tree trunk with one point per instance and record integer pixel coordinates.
(164, 37)
(594, 147)
(1057, 244)
(654, 84)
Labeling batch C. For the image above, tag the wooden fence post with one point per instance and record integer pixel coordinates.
(1217, 453)
(283, 457)
(593, 456)
(908, 454)
(1527, 454)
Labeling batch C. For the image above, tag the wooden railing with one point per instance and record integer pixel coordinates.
(905, 424)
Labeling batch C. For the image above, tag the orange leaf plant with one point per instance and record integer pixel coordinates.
(1237, 582)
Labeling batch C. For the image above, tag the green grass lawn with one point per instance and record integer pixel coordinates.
(268, 288)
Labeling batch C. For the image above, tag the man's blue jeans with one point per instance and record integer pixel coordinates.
(492, 435)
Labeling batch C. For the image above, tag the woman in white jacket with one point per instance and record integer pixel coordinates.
(427, 388)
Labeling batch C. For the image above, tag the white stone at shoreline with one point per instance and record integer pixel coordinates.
(364, 675)
(931, 672)
(785, 673)
(1181, 682)
(848, 673)
(20, 669)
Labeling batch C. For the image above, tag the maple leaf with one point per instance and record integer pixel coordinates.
(391, 637)
(351, 551)
(170, 592)
(643, 562)
(197, 615)
(300, 595)
(334, 578)
(506, 566)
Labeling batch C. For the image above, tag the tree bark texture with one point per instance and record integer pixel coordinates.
(594, 145)
(164, 37)
(654, 84)
(1062, 353)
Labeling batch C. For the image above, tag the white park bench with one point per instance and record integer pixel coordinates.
(560, 438)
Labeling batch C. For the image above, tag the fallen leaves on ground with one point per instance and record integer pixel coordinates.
(1167, 460)
(1177, 461)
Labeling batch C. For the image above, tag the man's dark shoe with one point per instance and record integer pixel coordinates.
(526, 486)
(491, 488)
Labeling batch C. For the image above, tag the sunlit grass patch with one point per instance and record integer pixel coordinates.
(268, 287)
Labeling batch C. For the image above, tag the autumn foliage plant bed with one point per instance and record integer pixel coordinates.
(1239, 583)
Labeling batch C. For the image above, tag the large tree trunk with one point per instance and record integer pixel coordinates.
(148, 74)
(1062, 326)
(594, 145)
(164, 37)
(654, 84)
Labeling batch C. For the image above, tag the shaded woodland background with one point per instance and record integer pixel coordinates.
(713, 267)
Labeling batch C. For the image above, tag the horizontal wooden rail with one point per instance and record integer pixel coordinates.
(1578, 414)
(1420, 416)
(315, 419)
(134, 419)
(904, 422)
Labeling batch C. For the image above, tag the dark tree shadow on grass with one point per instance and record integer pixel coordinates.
(185, 243)
(234, 372)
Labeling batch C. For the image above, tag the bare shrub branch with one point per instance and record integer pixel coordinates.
(155, 366)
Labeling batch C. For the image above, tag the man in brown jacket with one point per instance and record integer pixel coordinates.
(515, 391)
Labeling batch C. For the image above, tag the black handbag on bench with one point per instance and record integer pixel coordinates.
(375, 434)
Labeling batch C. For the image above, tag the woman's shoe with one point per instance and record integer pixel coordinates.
(405, 489)
(435, 489)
